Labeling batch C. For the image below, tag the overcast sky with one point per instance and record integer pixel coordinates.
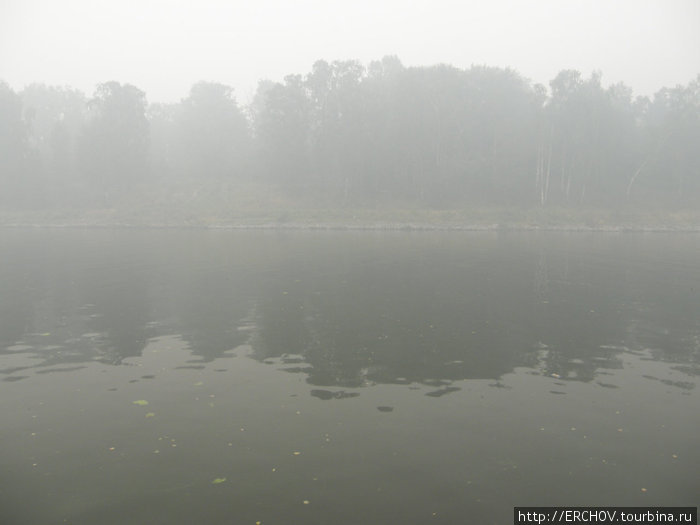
(164, 46)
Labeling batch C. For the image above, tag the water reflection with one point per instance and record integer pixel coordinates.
(349, 310)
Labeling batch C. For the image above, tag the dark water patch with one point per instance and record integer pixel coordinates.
(292, 360)
(443, 391)
(435, 382)
(385, 408)
(12, 370)
(298, 369)
(690, 369)
(685, 385)
(328, 394)
(64, 369)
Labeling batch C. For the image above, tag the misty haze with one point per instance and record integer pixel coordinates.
(372, 291)
(345, 144)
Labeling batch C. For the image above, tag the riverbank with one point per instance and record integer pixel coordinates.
(476, 219)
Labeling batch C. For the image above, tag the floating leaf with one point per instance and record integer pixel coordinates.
(141, 402)
(150, 414)
(218, 480)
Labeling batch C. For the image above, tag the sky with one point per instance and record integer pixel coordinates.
(165, 46)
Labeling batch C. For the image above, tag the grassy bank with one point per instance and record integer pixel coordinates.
(285, 216)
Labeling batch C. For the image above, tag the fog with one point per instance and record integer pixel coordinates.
(164, 47)
(216, 112)
(348, 262)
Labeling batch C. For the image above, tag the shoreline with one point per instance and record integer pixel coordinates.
(418, 219)
(406, 227)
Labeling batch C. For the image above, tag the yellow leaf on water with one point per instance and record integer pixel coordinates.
(150, 414)
(216, 481)
(141, 402)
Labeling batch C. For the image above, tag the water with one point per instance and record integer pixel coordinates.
(182, 377)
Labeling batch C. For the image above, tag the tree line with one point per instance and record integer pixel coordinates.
(355, 135)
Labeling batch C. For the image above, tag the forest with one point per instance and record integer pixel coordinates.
(347, 135)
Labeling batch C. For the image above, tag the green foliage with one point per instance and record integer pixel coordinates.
(211, 134)
(115, 142)
(14, 147)
(356, 137)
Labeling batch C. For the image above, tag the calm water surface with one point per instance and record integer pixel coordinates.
(196, 377)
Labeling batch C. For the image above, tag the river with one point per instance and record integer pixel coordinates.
(340, 377)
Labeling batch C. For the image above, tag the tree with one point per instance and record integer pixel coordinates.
(670, 167)
(12, 142)
(282, 125)
(384, 167)
(585, 122)
(57, 119)
(213, 133)
(116, 140)
(502, 114)
(336, 131)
